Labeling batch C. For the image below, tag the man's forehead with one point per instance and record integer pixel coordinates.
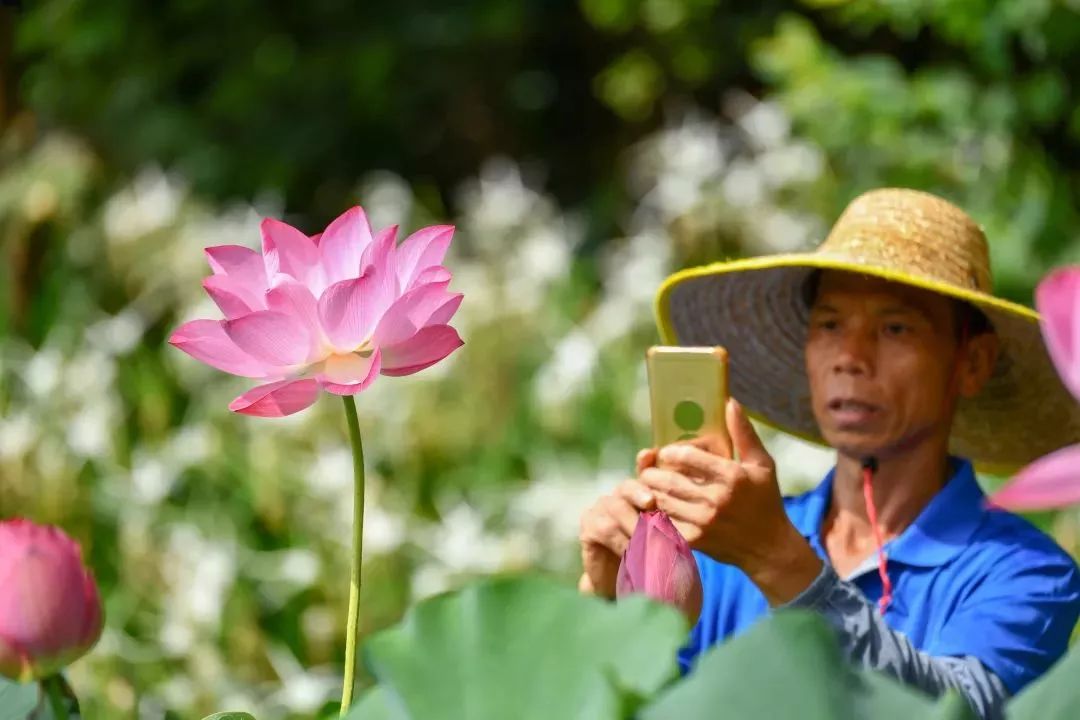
(837, 287)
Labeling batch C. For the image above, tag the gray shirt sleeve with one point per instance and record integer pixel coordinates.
(868, 641)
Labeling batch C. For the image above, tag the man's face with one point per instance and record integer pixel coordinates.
(882, 363)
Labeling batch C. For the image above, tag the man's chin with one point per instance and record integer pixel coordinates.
(854, 444)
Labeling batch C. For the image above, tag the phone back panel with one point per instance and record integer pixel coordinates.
(688, 389)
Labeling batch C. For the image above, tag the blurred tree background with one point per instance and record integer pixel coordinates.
(584, 150)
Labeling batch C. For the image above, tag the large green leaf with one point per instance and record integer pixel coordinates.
(1055, 696)
(375, 704)
(788, 665)
(17, 700)
(526, 648)
(953, 707)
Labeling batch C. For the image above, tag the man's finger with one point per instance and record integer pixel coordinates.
(606, 525)
(692, 461)
(637, 494)
(669, 482)
(747, 444)
(715, 443)
(623, 512)
(683, 511)
(645, 458)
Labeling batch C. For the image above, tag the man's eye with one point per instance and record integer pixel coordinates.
(896, 328)
(828, 324)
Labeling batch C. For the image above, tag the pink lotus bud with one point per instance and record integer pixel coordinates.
(659, 564)
(50, 610)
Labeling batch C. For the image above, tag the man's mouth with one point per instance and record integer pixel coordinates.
(851, 412)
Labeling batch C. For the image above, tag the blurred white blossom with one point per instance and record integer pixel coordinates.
(118, 334)
(18, 432)
(519, 233)
(198, 572)
(42, 373)
(766, 125)
(89, 432)
(299, 690)
(744, 185)
(551, 506)
(569, 370)
(151, 479)
(149, 204)
(387, 199)
(675, 169)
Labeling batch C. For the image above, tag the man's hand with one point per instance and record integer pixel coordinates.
(731, 509)
(606, 528)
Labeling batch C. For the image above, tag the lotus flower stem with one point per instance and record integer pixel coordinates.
(54, 690)
(357, 551)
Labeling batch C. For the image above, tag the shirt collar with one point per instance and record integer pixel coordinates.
(939, 533)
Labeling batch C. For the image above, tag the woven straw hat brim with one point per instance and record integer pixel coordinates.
(755, 308)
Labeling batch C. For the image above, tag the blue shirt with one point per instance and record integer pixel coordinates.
(967, 580)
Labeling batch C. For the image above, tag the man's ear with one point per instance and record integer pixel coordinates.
(980, 358)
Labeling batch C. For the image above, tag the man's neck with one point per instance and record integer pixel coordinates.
(903, 485)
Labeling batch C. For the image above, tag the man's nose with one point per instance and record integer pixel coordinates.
(856, 352)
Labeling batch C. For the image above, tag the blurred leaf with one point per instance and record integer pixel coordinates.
(631, 85)
(374, 705)
(953, 707)
(612, 15)
(788, 665)
(526, 648)
(1055, 696)
(17, 700)
(230, 716)
(1044, 95)
(662, 16)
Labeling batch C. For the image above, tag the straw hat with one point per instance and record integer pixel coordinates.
(756, 309)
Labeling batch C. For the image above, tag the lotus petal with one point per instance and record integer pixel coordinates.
(274, 338)
(423, 249)
(277, 399)
(1052, 481)
(343, 243)
(225, 295)
(351, 309)
(410, 312)
(287, 250)
(206, 341)
(237, 262)
(427, 347)
(1058, 301)
(293, 298)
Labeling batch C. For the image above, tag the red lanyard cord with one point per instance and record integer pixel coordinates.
(869, 467)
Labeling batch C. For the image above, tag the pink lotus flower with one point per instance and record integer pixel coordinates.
(659, 564)
(50, 611)
(1053, 480)
(330, 311)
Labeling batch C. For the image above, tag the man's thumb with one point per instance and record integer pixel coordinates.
(743, 436)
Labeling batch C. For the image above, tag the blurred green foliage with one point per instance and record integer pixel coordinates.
(583, 150)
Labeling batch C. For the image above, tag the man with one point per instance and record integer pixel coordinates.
(886, 345)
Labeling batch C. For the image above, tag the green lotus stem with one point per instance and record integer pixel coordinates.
(54, 690)
(357, 552)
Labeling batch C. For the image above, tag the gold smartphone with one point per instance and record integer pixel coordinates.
(688, 390)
